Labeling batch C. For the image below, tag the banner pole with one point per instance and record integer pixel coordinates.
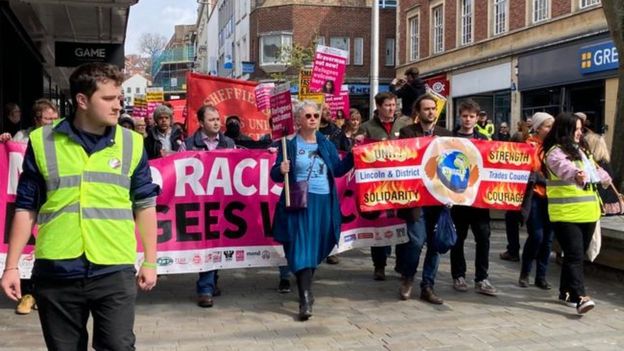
(286, 182)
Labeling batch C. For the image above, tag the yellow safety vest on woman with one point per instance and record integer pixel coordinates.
(88, 209)
(568, 202)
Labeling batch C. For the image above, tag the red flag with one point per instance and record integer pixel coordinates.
(178, 110)
(230, 97)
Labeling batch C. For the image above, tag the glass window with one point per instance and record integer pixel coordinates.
(500, 16)
(390, 51)
(540, 10)
(358, 51)
(437, 16)
(587, 3)
(466, 22)
(129, 90)
(138, 91)
(414, 37)
(386, 4)
(273, 48)
(341, 43)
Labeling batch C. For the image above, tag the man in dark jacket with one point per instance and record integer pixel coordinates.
(163, 138)
(208, 137)
(425, 111)
(233, 130)
(408, 89)
(478, 219)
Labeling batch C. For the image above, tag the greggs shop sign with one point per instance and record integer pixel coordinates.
(598, 57)
(432, 171)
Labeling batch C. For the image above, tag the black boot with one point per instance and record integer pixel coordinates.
(305, 306)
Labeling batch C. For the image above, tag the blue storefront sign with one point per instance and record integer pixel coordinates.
(248, 67)
(598, 57)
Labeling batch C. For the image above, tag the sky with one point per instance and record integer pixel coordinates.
(157, 16)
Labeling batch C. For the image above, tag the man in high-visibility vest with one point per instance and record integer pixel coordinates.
(85, 182)
(484, 126)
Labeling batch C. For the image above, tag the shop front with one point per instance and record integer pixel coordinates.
(489, 86)
(573, 77)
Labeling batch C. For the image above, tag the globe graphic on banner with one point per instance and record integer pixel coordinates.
(453, 169)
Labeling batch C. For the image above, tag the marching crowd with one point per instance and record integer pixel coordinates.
(86, 183)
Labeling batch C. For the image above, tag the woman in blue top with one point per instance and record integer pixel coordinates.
(309, 234)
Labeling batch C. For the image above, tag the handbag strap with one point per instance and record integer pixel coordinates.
(311, 167)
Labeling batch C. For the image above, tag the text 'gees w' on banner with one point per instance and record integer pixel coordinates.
(432, 171)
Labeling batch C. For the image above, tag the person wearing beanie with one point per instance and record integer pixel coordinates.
(539, 241)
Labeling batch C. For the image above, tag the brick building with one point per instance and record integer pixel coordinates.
(345, 24)
(514, 57)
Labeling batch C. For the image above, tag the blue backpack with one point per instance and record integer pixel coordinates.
(445, 234)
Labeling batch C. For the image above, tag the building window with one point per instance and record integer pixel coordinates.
(137, 91)
(466, 22)
(358, 51)
(341, 43)
(414, 38)
(437, 16)
(587, 3)
(540, 10)
(129, 90)
(500, 16)
(320, 40)
(390, 51)
(274, 48)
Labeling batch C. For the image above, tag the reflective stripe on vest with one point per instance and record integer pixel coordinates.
(88, 208)
(567, 202)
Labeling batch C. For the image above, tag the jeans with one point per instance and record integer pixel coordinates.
(432, 257)
(284, 272)
(512, 230)
(207, 283)
(380, 254)
(478, 220)
(574, 239)
(409, 252)
(65, 304)
(539, 242)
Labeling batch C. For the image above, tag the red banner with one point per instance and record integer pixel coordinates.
(439, 84)
(179, 115)
(433, 171)
(230, 97)
(282, 119)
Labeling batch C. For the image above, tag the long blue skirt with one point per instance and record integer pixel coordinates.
(313, 238)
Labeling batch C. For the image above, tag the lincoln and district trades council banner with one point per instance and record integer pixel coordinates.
(215, 211)
(433, 171)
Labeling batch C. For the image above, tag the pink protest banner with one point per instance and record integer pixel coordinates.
(263, 95)
(281, 112)
(339, 102)
(328, 70)
(215, 211)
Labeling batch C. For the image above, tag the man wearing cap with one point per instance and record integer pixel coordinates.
(408, 90)
(483, 126)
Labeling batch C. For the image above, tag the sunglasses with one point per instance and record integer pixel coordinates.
(310, 115)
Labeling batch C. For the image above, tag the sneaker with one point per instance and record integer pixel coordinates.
(484, 287)
(379, 274)
(459, 284)
(284, 286)
(565, 299)
(584, 305)
(26, 304)
(506, 256)
(405, 290)
(523, 282)
(427, 294)
(333, 259)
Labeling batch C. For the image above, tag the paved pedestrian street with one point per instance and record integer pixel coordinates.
(353, 312)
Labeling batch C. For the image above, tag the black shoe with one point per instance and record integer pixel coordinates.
(333, 259)
(305, 306)
(506, 256)
(380, 273)
(542, 284)
(524, 280)
(284, 286)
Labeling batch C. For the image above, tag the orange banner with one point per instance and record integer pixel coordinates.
(230, 97)
(433, 171)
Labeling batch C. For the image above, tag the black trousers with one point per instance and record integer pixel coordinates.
(64, 307)
(574, 239)
(478, 220)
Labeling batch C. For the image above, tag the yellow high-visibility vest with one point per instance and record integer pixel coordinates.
(88, 209)
(568, 202)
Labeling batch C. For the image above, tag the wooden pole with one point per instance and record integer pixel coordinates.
(286, 182)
